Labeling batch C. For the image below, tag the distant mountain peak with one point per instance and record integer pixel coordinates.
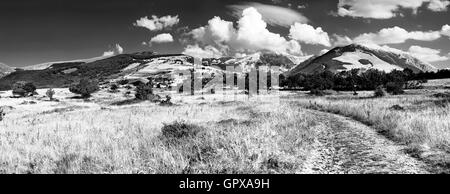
(358, 56)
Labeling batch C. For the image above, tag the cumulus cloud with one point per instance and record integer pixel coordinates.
(385, 9)
(114, 51)
(395, 35)
(438, 5)
(250, 35)
(273, 15)
(307, 34)
(445, 30)
(216, 32)
(426, 54)
(206, 52)
(157, 23)
(339, 40)
(162, 38)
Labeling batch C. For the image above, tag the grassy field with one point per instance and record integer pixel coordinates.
(200, 135)
(208, 134)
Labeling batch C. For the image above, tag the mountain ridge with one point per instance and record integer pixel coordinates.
(360, 56)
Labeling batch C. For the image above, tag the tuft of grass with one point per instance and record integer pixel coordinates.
(180, 130)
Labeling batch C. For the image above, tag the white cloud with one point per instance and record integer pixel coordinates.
(307, 34)
(115, 51)
(162, 38)
(273, 15)
(385, 9)
(395, 35)
(157, 23)
(445, 30)
(250, 35)
(339, 40)
(119, 49)
(206, 52)
(438, 5)
(108, 53)
(426, 54)
(216, 32)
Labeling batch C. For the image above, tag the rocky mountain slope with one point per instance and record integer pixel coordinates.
(284, 61)
(356, 56)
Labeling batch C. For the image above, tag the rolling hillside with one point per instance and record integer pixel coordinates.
(63, 74)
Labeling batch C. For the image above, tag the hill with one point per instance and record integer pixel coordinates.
(356, 56)
(63, 74)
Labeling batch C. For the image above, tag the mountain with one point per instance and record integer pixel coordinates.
(357, 56)
(46, 65)
(63, 74)
(133, 67)
(284, 61)
(5, 69)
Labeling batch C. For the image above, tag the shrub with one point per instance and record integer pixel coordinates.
(50, 93)
(317, 92)
(113, 88)
(394, 88)
(144, 92)
(379, 92)
(23, 89)
(167, 101)
(123, 82)
(85, 87)
(180, 130)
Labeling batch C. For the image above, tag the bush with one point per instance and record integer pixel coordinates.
(85, 87)
(180, 130)
(23, 89)
(394, 88)
(123, 82)
(50, 93)
(167, 101)
(113, 88)
(144, 92)
(317, 92)
(379, 92)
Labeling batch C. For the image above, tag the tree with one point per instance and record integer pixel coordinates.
(320, 81)
(144, 91)
(379, 92)
(50, 92)
(23, 89)
(85, 87)
(394, 88)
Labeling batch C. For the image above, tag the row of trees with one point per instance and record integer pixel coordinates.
(441, 74)
(354, 80)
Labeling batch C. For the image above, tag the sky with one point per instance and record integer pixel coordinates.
(33, 32)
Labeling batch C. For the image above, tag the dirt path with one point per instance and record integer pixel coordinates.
(347, 146)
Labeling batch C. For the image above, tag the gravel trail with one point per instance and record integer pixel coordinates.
(345, 146)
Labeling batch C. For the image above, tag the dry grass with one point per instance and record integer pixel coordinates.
(235, 137)
(420, 121)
